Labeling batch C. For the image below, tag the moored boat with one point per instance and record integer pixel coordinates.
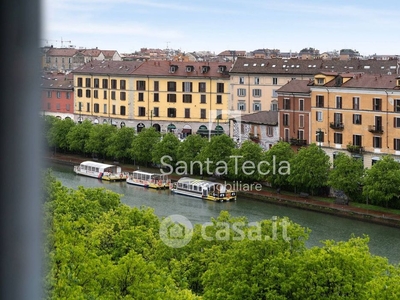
(203, 189)
(101, 171)
(148, 180)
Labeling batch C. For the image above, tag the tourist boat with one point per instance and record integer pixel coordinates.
(148, 180)
(101, 171)
(207, 190)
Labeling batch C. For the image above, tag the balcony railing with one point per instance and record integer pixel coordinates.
(355, 148)
(298, 142)
(254, 137)
(375, 129)
(336, 125)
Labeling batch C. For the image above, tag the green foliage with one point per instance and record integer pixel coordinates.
(100, 138)
(168, 146)
(382, 181)
(277, 157)
(143, 144)
(57, 134)
(309, 169)
(78, 136)
(188, 151)
(120, 144)
(346, 175)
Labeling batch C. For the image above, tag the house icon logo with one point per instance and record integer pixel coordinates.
(176, 231)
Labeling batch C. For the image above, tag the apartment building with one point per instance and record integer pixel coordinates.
(104, 92)
(255, 81)
(182, 97)
(57, 96)
(356, 113)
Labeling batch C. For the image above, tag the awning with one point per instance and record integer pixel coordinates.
(140, 125)
(376, 158)
(219, 128)
(171, 126)
(203, 127)
(186, 130)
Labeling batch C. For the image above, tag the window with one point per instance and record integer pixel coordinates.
(156, 112)
(202, 98)
(220, 87)
(356, 103)
(142, 111)
(357, 119)
(187, 87)
(301, 121)
(80, 80)
(156, 86)
(87, 93)
(171, 97)
(286, 103)
(319, 101)
(140, 96)
(87, 82)
(67, 107)
(339, 102)
(301, 104)
(202, 87)
(256, 106)
(219, 114)
(96, 108)
(58, 95)
(397, 105)
(78, 92)
(113, 83)
(219, 99)
(122, 95)
(67, 95)
(256, 80)
(319, 116)
(171, 112)
(141, 85)
(49, 94)
(187, 113)
(377, 142)
(338, 118)
(396, 144)
(241, 80)
(171, 86)
(274, 93)
(58, 106)
(274, 106)
(88, 107)
(256, 92)
(396, 123)
(105, 108)
(241, 92)
(241, 105)
(377, 104)
(105, 83)
(186, 98)
(122, 84)
(274, 80)
(320, 80)
(357, 140)
(300, 134)
(96, 83)
(122, 110)
(96, 94)
(113, 109)
(286, 135)
(105, 95)
(202, 113)
(285, 119)
(270, 131)
(80, 106)
(48, 105)
(320, 136)
(112, 95)
(156, 97)
(338, 138)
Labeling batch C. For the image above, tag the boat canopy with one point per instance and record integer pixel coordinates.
(210, 185)
(139, 174)
(96, 165)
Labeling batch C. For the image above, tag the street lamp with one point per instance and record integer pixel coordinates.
(151, 118)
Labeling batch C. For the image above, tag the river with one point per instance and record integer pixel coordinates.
(384, 241)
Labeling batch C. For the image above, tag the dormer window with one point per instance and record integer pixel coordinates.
(221, 69)
(205, 69)
(320, 81)
(173, 68)
(189, 69)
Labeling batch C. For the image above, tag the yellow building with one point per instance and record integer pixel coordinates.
(103, 92)
(183, 97)
(356, 113)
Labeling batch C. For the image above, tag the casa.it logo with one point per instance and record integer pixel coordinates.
(176, 231)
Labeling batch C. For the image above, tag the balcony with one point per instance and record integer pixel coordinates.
(254, 137)
(336, 125)
(375, 128)
(355, 148)
(298, 142)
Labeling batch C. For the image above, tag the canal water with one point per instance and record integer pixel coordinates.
(384, 241)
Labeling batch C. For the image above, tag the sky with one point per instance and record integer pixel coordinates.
(370, 27)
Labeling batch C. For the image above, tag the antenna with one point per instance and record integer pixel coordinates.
(168, 44)
(62, 43)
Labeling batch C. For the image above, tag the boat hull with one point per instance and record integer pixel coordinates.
(121, 177)
(200, 196)
(147, 184)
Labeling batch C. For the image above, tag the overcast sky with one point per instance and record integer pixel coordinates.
(289, 25)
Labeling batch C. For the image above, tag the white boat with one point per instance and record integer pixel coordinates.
(148, 180)
(101, 171)
(203, 189)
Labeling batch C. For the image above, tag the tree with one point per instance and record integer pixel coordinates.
(382, 181)
(121, 143)
(143, 144)
(78, 136)
(189, 149)
(100, 138)
(57, 135)
(278, 157)
(346, 175)
(309, 169)
(166, 150)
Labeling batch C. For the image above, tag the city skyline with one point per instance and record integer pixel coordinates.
(128, 25)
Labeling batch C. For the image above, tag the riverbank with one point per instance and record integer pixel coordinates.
(309, 203)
